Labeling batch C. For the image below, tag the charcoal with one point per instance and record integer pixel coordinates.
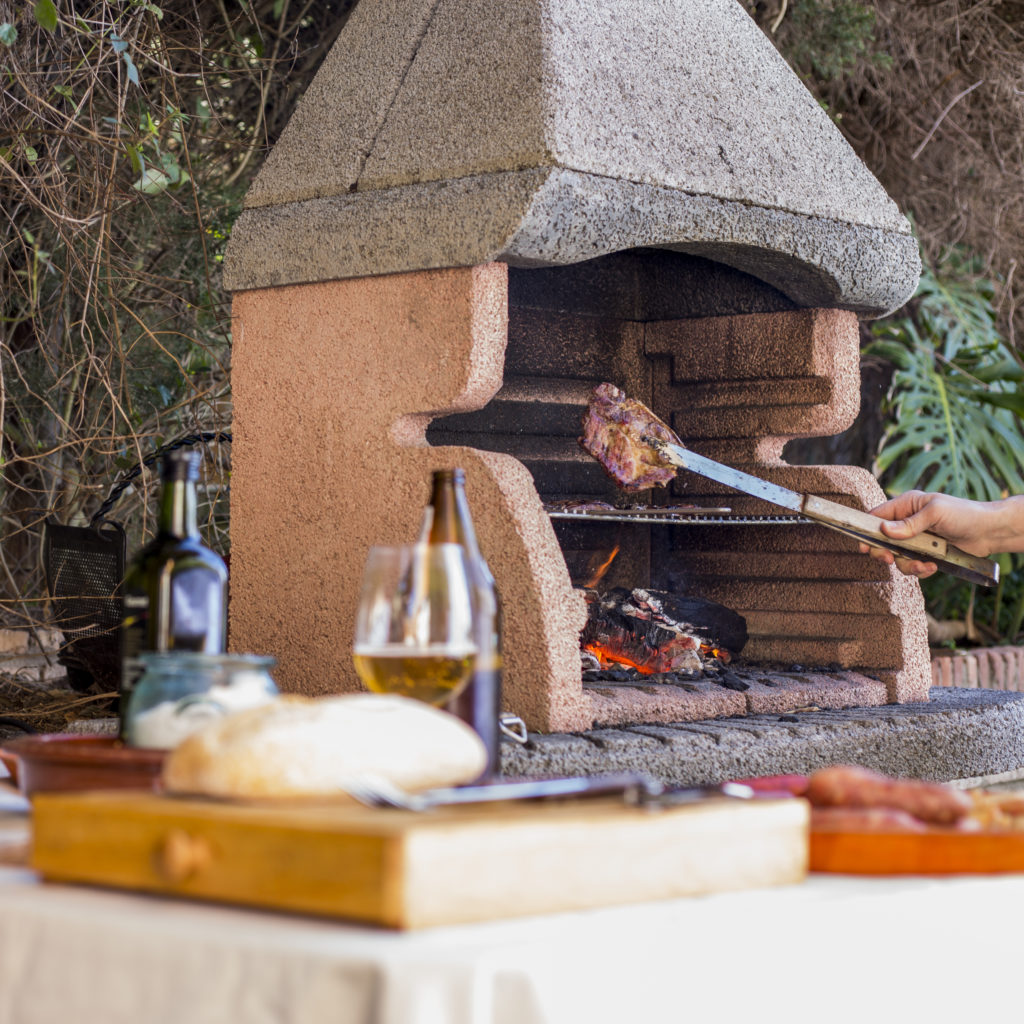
(732, 683)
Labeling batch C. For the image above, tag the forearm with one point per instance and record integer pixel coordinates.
(1002, 523)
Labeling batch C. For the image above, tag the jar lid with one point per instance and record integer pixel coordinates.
(196, 661)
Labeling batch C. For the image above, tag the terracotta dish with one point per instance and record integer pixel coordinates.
(61, 763)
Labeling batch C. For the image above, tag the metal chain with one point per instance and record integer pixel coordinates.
(116, 491)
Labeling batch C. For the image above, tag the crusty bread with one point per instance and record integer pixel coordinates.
(308, 747)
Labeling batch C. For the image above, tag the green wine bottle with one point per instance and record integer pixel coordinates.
(175, 591)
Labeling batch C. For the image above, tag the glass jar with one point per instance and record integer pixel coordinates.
(179, 692)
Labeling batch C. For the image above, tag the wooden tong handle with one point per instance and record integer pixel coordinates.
(924, 547)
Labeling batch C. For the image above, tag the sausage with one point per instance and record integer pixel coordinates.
(851, 786)
(864, 819)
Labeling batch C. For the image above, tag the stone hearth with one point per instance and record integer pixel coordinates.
(959, 733)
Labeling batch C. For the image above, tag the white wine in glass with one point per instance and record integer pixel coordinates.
(414, 625)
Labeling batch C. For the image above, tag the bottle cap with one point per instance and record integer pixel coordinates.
(182, 464)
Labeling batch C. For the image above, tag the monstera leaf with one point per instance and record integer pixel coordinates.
(955, 408)
(955, 423)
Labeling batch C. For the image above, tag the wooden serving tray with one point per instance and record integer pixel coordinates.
(936, 852)
(406, 870)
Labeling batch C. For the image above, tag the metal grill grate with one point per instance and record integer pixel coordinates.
(694, 517)
(84, 569)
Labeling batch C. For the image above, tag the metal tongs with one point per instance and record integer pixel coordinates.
(852, 522)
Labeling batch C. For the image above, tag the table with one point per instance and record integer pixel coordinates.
(832, 949)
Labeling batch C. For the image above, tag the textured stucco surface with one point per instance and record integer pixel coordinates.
(455, 132)
(739, 388)
(813, 598)
(770, 692)
(957, 734)
(779, 375)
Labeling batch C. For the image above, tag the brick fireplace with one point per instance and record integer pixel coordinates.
(478, 212)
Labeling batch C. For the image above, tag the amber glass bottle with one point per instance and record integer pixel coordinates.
(448, 522)
(175, 590)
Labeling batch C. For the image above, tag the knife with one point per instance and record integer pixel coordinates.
(635, 788)
(862, 526)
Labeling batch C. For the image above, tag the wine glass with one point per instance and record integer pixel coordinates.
(414, 625)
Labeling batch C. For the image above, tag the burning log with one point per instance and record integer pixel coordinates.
(655, 631)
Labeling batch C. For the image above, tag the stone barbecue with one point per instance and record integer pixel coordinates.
(479, 211)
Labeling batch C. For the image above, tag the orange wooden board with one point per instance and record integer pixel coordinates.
(401, 869)
(935, 852)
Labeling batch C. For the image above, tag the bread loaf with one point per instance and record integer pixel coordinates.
(308, 747)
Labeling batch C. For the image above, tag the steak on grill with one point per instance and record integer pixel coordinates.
(613, 427)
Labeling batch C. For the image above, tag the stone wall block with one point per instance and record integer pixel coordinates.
(786, 374)
(998, 663)
(971, 674)
(984, 670)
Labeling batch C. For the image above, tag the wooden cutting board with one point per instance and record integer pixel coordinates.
(407, 870)
(935, 852)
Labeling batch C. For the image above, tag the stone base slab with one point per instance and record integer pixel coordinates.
(959, 733)
(615, 704)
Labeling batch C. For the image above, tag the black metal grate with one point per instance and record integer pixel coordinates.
(84, 569)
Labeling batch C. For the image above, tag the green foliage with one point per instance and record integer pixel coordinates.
(830, 37)
(822, 39)
(46, 15)
(955, 405)
(954, 418)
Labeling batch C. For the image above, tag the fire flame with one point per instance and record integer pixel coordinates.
(606, 658)
(598, 574)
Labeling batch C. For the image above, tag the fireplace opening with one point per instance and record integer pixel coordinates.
(737, 371)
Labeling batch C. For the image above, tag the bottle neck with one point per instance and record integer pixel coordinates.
(449, 510)
(178, 509)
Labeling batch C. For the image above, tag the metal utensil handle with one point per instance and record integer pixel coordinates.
(987, 574)
(694, 794)
(513, 727)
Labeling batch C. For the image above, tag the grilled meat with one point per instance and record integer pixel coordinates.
(613, 428)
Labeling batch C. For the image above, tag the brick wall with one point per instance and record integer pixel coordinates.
(994, 668)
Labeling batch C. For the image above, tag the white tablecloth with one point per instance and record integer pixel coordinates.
(833, 949)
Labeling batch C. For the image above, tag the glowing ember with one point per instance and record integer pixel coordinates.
(654, 632)
(657, 661)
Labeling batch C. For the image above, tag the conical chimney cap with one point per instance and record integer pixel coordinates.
(446, 133)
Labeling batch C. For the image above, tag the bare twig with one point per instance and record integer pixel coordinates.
(949, 106)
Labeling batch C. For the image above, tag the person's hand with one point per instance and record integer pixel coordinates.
(972, 526)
